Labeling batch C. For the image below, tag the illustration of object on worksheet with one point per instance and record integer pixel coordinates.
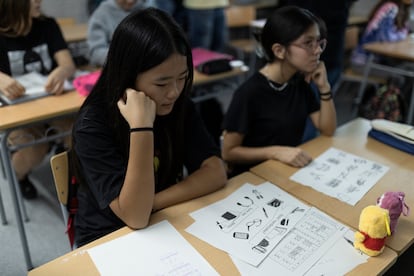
(247, 202)
(241, 235)
(261, 246)
(257, 194)
(284, 222)
(227, 220)
(275, 202)
(255, 222)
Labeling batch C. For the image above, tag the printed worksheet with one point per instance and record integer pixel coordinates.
(342, 175)
(250, 222)
(305, 248)
(156, 250)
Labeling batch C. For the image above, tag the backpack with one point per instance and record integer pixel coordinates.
(385, 102)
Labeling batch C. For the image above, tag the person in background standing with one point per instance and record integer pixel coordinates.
(102, 24)
(31, 42)
(207, 26)
(174, 8)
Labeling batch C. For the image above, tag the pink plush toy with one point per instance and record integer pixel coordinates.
(394, 203)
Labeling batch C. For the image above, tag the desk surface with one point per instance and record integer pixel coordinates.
(74, 32)
(402, 50)
(352, 138)
(78, 261)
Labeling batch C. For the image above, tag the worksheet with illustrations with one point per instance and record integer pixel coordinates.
(341, 175)
(156, 250)
(250, 222)
(316, 246)
(264, 229)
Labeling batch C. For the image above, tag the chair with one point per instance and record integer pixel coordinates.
(60, 166)
(238, 18)
(349, 75)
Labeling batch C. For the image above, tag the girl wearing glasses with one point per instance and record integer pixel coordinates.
(267, 116)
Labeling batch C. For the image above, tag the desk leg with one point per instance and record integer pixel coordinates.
(11, 178)
(411, 107)
(363, 85)
(2, 212)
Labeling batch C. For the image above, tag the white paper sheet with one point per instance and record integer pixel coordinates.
(156, 250)
(34, 84)
(339, 259)
(341, 175)
(250, 222)
(308, 249)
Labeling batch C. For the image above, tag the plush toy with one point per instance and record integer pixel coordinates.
(374, 227)
(394, 203)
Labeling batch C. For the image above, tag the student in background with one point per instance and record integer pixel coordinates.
(207, 27)
(335, 15)
(174, 8)
(387, 22)
(102, 24)
(31, 42)
(267, 115)
(138, 129)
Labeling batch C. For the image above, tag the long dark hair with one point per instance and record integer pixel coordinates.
(402, 16)
(143, 40)
(15, 17)
(285, 25)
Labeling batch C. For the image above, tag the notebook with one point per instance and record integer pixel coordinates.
(34, 84)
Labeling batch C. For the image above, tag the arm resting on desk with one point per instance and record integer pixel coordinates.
(210, 177)
(234, 152)
(65, 69)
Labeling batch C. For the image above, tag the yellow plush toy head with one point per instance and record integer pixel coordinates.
(374, 227)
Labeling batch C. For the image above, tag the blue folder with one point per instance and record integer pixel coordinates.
(391, 141)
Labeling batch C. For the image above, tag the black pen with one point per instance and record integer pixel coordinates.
(349, 241)
(264, 211)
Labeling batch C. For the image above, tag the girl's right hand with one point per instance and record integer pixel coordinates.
(11, 87)
(138, 109)
(292, 156)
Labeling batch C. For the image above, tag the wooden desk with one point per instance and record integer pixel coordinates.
(78, 262)
(402, 50)
(352, 138)
(355, 20)
(74, 32)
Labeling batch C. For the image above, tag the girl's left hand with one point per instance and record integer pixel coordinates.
(319, 77)
(55, 81)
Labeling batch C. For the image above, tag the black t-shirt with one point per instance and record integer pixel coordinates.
(33, 52)
(104, 167)
(268, 117)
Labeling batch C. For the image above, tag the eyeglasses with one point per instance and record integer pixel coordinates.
(311, 45)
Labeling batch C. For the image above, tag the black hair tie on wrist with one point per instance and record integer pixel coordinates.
(325, 96)
(138, 129)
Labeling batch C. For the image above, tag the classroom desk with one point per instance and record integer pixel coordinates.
(74, 32)
(42, 110)
(402, 50)
(352, 138)
(78, 262)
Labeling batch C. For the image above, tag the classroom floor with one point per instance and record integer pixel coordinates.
(46, 230)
